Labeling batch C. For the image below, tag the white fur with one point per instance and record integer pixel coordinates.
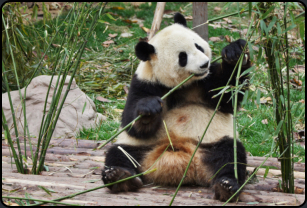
(190, 120)
(164, 65)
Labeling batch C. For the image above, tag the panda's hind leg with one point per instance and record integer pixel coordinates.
(118, 166)
(217, 155)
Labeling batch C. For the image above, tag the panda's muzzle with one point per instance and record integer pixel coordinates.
(201, 74)
(205, 65)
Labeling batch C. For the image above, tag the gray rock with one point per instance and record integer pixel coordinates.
(71, 118)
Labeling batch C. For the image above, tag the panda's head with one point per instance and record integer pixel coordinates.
(173, 54)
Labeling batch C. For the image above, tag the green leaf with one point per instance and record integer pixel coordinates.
(35, 10)
(110, 16)
(278, 127)
(225, 88)
(302, 32)
(272, 23)
(248, 71)
(266, 172)
(289, 28)
(19, 202)
(101, 21)
(267, 12)
(278, 29)
(84, 107)
(258, 96)
(263, 27)
(46, 190)
(250, 9)
(19, 32)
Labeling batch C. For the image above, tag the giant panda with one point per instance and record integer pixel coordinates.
(167, 59)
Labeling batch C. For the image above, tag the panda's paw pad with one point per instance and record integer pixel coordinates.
(228, 185)
(114, 173)
(225, 188)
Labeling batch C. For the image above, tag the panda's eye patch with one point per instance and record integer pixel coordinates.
(183, 59)
(199, 48)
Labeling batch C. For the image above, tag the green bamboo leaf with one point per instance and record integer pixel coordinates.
(272, 23)
(19, 202)
(248, 71)
(35, 10)
(19, 32)
(84, 107)
(250, 9)
(289, 28)
(302, 32)
(266, 172)
(263, 27)
(101, 21)
(245, 97)
(277, 61)
(46, 190)
(225, 88)
(278, 127)
(110, 16)
(267, 12)
(278, 29)
(258, 96)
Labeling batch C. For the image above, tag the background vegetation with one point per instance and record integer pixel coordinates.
(108, 63)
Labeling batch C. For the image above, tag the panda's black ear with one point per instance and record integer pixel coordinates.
(143, 50)
(179, 18)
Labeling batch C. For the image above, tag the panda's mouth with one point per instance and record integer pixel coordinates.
(201, 74)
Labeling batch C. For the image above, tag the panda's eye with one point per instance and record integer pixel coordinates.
(199, 48)
(183, 59)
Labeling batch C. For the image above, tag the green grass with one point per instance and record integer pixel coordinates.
(105, 71)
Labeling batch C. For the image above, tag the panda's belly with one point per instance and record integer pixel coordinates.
(190, 121)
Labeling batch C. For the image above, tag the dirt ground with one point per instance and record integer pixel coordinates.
(74, 167)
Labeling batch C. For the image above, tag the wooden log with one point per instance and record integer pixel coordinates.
(256, 161)
(277, 173)
(157, 19)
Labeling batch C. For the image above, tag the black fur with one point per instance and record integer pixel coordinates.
(143, 50)
(118, 166)
(199, 48)
(143, 99)
(183, 59)
(179, 18)
(217, 155)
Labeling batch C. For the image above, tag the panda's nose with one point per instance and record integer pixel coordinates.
(205, 65)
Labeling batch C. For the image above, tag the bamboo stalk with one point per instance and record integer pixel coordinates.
(99, 187)
(17, 82)
(216, 109)
(39, 200)
(137, 118)
(44, 151)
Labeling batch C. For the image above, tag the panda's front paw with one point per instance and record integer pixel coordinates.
(224, 188)
(233, 51)
(115, 173)
(149, 106)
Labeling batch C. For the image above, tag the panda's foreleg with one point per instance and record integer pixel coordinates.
(118, 166)
(217, 155)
